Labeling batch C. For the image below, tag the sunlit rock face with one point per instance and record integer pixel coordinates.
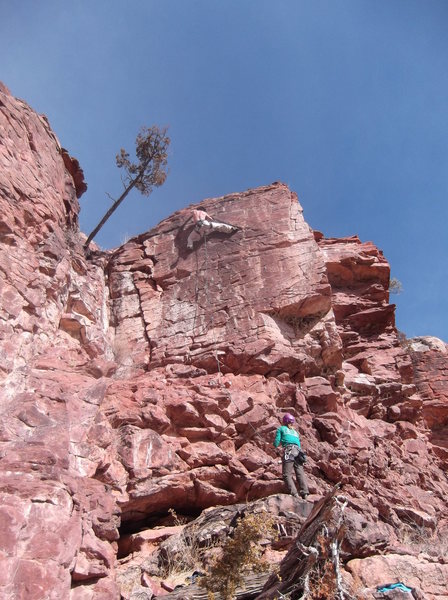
(153, 377)
(258, 300)
(58, 524)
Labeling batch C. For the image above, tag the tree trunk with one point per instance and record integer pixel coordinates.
(110, 212)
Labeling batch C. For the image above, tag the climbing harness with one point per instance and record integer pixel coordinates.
(292, 453)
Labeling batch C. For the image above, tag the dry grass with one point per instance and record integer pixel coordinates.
(424, 539)
(188, 554)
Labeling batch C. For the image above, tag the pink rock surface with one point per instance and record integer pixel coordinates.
(242, 298)
(113, 409)
(427, 577)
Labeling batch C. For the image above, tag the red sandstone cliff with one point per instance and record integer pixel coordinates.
(114, 412)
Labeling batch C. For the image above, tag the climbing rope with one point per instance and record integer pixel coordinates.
(210, 322)
(215, 343)
(208, 310)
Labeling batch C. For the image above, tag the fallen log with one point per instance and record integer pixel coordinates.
(252, 586)
(313, 559)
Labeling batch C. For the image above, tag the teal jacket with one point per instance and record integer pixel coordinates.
(285, 436)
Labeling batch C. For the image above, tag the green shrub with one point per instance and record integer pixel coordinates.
(240, 553)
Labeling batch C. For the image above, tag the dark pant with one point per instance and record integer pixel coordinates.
(289, 467)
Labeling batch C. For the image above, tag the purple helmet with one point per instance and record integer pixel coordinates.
(288, 418)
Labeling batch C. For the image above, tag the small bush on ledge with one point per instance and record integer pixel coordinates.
(240, 554)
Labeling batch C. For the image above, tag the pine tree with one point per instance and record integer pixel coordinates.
(149, 171)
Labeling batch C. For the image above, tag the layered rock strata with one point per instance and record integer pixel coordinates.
(152, 377)
(249, 299)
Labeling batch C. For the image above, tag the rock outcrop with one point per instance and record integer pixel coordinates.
(152, 377)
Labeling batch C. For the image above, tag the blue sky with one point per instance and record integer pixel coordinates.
(346, 101)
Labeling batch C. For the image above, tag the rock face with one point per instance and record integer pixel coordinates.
(153, 377)
(249, 299)
(58, 524)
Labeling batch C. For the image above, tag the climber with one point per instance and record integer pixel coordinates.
(293, 457)
(204, 222)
